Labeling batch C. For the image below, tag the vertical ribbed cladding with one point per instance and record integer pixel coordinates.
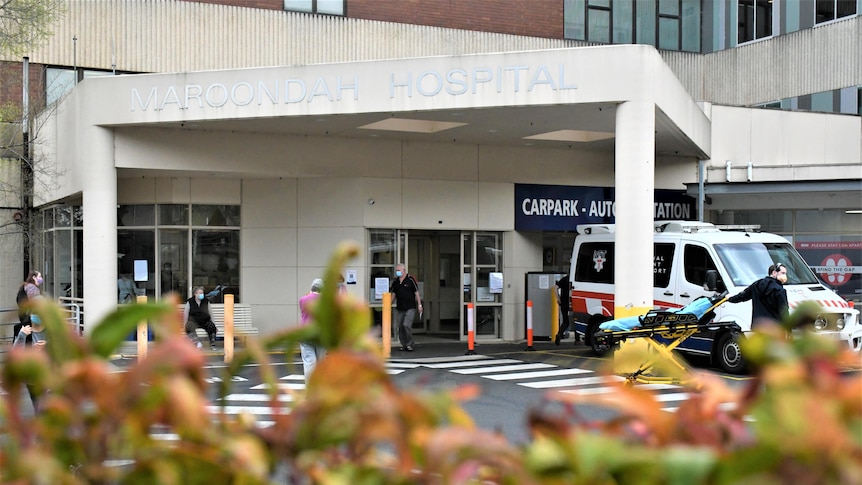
(172, 36)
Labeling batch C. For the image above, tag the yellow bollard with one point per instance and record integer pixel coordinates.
(629, 356)
(228, 327)
(143, 333)
(386, 328)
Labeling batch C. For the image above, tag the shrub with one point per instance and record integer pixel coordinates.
(353, 426)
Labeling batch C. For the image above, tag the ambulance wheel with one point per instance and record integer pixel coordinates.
(593, 327)
(728, 353)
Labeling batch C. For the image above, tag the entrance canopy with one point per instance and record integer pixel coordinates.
(563, 98)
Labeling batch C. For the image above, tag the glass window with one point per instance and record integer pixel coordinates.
(595, 263)
(173, 257)
(215, 215)
(645, 22)
(696, 262)
(623, 17)
(598, 25)
(748, 262)
(328, 7)
(826, 220)
(668, 33)
(136, 215)
(691, 25)
(132, 246)
(777, 221)
(215, 263)
(57, 83)
(598, 22)
(828, 10)
(754, 19)
(173, 214)
(78, 287)
(575, 23)
(668, 7)
(662, 264)
(63, 216)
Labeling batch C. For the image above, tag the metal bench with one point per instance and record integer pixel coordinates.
(242, 326)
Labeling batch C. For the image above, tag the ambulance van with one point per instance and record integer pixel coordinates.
(694, 259)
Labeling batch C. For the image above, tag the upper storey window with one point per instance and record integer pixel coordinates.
(827, 10)
(326, 7)
(666, 24)
(754, 19)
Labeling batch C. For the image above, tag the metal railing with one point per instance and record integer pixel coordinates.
(72, 307)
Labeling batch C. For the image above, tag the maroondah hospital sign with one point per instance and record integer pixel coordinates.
(504, 80)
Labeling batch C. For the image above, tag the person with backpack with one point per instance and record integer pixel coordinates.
(28, 290)
(407, 301)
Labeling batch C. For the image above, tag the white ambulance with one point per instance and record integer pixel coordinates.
(694, 259)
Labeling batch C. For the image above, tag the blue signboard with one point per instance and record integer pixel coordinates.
(563, 208)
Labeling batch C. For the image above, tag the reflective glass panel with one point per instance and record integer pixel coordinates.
(668, 34)
(136, 246)
(215, 263)
(215, 215)
(598, 28)
(136, 215)
(173, 214)
(173, 260)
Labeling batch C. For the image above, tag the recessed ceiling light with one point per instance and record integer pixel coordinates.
(492, 130)
(412, 126)
(572, 135)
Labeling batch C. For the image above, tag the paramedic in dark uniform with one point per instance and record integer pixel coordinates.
(564, 297)
(768, 296)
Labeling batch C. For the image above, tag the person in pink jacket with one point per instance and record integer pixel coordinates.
(310, 353)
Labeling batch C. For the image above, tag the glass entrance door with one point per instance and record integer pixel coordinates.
(482, 265)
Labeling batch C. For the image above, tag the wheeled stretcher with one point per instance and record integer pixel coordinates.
(664, 331)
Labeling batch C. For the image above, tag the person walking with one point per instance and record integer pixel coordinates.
(310, 353)
(29, 289)
(197, 315)
(768, 296)
(407, 301)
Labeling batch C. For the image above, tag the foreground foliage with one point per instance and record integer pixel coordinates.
(798, 420)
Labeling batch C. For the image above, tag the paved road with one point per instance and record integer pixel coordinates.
(512, 380)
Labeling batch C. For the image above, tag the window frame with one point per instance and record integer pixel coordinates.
(315, 8)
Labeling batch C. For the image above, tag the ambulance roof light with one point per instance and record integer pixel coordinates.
(684, 226)
(595, 228)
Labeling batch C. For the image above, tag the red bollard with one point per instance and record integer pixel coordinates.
(530, 325)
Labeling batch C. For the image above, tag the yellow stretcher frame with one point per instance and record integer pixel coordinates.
(670, 326)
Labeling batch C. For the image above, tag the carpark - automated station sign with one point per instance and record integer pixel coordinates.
(563, 207)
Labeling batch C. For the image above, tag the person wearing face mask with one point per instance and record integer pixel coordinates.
(407, 300)
(197, 315)
(768, 296)
(28, 290)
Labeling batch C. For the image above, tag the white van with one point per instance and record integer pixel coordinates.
(686, 253)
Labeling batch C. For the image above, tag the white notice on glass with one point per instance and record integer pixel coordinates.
(495, 282)
(141, 273)
(381, 286)
(544, 281)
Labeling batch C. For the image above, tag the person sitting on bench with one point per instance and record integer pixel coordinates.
(197, 315)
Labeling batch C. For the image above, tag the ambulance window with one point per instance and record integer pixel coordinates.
(595, 263)
(662, 264)
(697, 261)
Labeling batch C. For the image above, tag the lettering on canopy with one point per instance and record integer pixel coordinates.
(563, 207)
(501, 80)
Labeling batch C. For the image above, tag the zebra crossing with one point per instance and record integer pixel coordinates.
(532, 375)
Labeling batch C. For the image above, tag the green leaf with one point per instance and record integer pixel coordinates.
(116, 327)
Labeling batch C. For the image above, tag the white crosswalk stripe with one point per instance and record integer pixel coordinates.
(541, 376)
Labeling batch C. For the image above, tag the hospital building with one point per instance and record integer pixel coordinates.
(233, 144)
